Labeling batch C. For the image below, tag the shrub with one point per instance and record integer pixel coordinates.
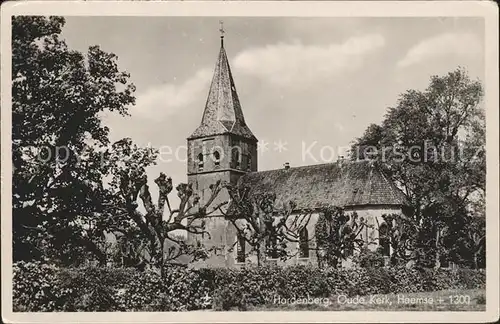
(471, 278)
(481, 300)
(41, 287)
(369, 259)
(226, 299)
(32, 283)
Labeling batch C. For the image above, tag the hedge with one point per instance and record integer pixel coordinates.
(40, 287)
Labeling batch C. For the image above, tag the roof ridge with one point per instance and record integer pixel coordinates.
(312, 165)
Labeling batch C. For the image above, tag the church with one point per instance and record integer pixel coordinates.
(224, 148)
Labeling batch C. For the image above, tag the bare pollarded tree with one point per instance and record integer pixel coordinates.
(152, 228)
(265, 225)
(338, 235)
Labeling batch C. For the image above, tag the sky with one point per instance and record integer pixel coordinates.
(307, 86)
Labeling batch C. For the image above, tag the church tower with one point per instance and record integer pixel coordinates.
(221, 148)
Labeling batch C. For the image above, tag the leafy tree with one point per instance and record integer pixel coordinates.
(432, 145)
(57, 97)
(368, 143)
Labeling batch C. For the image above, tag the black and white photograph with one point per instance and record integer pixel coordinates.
(224, 163)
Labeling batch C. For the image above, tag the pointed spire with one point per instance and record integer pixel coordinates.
(222, 112)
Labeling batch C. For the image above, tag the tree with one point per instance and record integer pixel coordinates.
(150, 230)
(57, 97)
(71, 186)
(402, 235)
(467, 245)
(338, 236)
(368, 143)
(431, 144)
(268, 227)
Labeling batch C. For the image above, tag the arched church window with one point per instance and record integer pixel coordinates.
(304, 243)
(217, 158)
(249, 163)
(200, 162)
(383, 239)
(240, 249)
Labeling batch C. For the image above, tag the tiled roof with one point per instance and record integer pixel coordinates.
(338, 184)
(223, 112)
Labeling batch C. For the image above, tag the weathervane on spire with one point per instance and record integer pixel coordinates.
(221, 30)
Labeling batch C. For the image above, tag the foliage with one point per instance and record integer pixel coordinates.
(38, 287)
(403, 237)
(369, 259)
(227, 299)
(72, 188)
(57, 97)
(481, 299)
(337, 236)
(431, 144)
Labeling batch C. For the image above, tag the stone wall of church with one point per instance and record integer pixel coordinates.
(217, 227)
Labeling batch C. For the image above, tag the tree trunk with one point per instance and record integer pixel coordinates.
(321, 258)
(162, 265)
(437, 262)
(261, 254)
(161, 257)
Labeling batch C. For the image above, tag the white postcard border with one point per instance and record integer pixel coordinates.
(486, 9)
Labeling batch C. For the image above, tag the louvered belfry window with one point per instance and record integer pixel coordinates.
(217, 158)
(200, 162)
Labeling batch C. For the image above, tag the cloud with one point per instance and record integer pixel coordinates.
(281, 64)
(285, 64)
(459, 44)
(168, 99)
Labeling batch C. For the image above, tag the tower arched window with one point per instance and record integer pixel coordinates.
(240, 249)
(304, 243)
(383, 239)
(217, 158)
(200, 162)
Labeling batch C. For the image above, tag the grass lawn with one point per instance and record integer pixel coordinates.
(461, 300)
